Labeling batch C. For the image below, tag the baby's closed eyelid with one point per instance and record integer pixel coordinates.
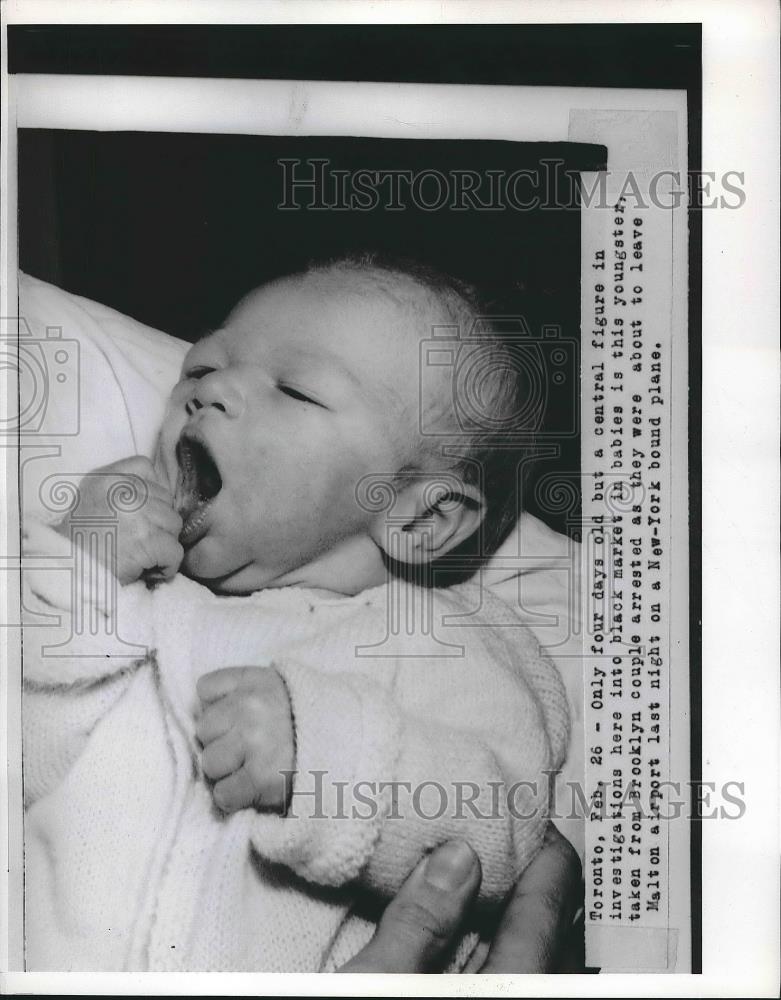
(302, 395)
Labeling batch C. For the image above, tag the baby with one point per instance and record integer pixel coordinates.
(283, 747)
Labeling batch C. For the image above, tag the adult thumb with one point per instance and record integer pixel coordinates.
(421, 924)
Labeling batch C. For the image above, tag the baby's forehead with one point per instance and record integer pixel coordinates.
(401, 296)
(323, 304)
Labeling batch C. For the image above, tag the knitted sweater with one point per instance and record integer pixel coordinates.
(128, 864)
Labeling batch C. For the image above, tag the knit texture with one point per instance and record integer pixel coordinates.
(419, 716)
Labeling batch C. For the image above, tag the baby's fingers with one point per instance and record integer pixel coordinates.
(218, 683)
(222, 757)
(237, 791)
(163, 553)
(215, 720)
(162, 515)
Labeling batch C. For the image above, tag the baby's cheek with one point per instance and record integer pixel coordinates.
(173, 422)
(164, 464)
(206, 558)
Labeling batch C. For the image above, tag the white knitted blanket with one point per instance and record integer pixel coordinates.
(443, 696)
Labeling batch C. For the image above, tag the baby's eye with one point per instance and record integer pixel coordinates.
(198, 371)
(302, 397)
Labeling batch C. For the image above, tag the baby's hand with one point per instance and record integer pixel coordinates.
(246, 729)
(147, 531)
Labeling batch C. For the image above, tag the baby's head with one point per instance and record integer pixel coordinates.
(310, 390)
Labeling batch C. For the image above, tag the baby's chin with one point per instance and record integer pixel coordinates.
(208, 565)
(349, 567)
(202, 563)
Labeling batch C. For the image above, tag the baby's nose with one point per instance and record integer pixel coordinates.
(219, 391)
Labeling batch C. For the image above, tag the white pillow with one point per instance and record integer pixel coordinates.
(109, 405)
(118, 374)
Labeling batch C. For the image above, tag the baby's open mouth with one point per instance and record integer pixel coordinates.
(198, 483)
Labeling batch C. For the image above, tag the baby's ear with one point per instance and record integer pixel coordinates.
(431, 515)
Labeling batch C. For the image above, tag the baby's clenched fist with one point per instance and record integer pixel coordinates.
(246, 730)
(141, 528)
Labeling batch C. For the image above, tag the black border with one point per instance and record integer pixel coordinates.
(662, 56)
(600, 55)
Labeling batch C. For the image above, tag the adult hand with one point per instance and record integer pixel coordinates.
(420, 926)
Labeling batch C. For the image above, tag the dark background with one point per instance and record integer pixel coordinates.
(174, 228)
(584, 55)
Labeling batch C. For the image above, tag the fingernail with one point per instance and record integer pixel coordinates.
(449, 866)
